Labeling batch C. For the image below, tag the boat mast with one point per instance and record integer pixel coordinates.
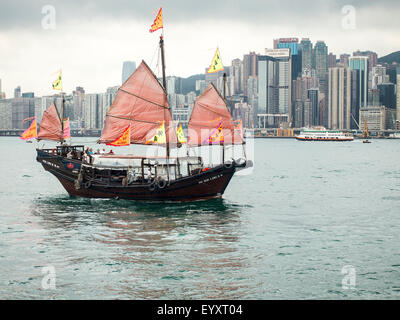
(62, 116)
(166, 127)
(163, 62)
(223, 144)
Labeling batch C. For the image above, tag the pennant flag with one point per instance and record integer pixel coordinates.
(57, 84)
(216, 63)
(31, 132)
(158, 22)
(180, 135)
(159, 137)
(123, 140)
(217, 136)
(66, 131)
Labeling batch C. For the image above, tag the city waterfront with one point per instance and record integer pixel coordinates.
(291, 228)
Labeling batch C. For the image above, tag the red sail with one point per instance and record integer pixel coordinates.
(141, 102)
(50, 127)
(208, 113)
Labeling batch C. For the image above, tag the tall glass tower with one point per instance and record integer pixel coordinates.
(293, 45)
(321, 59)
(128, 68)
(305, 50)
(360, 65)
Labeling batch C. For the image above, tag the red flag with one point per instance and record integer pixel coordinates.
(158, 22)
(31, 132)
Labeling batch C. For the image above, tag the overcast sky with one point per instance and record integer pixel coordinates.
(91, 39)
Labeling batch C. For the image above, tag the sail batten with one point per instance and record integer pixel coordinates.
(142, 103)
(131, 119)
(210, 113)
(161, 106)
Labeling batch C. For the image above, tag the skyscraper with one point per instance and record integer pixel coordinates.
(313, 96)
(250, 68)
(17, 92)
(331, 60)
(360, 65)
(305, 104)
(320, 58)
(284, 72)
(174, 85)
(267, 85)
(22, 108)
(305, 49)
(252, 98)
(293, 45)
(344, 59)
(91, 114)
(128, 67)
(372, 58)
(387, 95)
(298, 111)
(236, 73)
(339, 98)
(78, 97)
(6, 113)
(378, 75)
(274, 85)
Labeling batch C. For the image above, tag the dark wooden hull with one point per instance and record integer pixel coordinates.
(204, 185)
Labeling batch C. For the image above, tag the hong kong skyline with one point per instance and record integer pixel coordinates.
(91, 43)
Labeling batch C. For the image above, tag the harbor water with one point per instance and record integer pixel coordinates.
(312, 220)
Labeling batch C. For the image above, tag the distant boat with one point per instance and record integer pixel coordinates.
(321, 134)
(366, 133)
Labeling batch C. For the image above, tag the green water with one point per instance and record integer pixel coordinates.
(283, 231)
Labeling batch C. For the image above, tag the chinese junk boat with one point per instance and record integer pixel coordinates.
(140, 114)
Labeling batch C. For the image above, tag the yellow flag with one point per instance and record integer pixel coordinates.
(217, 136)
(158, 22)
(57, 84)
(216, 63)
(159, 137)
(31, 132)
(180, 135)
(123, 140)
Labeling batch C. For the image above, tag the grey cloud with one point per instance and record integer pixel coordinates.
(27, 13)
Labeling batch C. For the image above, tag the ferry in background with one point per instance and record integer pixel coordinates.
(321, 134)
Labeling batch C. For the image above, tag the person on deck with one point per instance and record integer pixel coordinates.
(90, 154)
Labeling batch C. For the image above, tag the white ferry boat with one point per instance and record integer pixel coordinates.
(321, 134)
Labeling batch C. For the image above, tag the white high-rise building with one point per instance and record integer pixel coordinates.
(91, 108)
(5, 114)
(284, 75)
(378, 76)
(275, 85)
(339, 98)
(236, 74)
